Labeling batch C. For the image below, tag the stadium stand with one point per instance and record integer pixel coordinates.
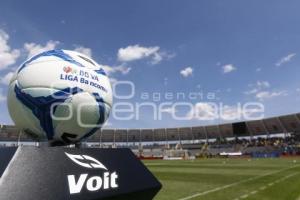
(277, 134)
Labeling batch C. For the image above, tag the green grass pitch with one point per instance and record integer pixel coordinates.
(224, 179)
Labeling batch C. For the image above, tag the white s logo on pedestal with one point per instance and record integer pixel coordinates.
(86, 161)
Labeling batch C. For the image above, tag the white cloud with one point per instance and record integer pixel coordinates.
(156, 58)
(108, 69)
(159, 56)
(263, 84)
(3, 95)
(298, 90)
(33, 49)
(188, 71)
(258, 69)
(8, 56)
(5, 80)
(166, 81)
(228, 90)
(113, 69)
(285, 59)
(122, 69)
(84, 50)
(258, 86)
(264, 95)
(261, 91)
(113, 80)
(137, 52)
(228, 68)
(252, 91)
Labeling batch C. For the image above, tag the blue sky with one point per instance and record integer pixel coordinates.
(242, 51)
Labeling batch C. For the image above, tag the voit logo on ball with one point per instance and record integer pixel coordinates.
(107, 181)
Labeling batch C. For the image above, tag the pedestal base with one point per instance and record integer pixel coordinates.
(57, 173)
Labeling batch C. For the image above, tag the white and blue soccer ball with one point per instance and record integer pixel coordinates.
(60, 96)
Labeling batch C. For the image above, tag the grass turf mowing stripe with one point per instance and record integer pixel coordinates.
(235, 183)
(266, 186)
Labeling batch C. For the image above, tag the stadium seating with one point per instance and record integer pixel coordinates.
(199, 140)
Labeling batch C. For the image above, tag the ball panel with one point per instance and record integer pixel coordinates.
(84, 116)
(22, 115)
(61, 74)
(54, 85)
(84, 59)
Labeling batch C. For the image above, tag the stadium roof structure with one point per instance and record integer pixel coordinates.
(274, 125)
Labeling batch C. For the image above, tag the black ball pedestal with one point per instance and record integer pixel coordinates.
(59, 173)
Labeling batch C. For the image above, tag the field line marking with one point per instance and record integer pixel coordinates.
(244, 196)
(154, 164)
(262, 187)
(234, 184)
(253, 192)
(266, 186)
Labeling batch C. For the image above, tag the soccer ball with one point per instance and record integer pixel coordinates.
(59, 96)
